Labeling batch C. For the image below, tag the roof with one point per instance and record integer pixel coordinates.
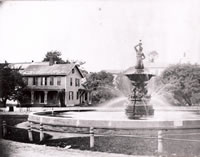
(24, 65)
(46, 70)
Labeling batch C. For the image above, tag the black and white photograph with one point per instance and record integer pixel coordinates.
(103, 78)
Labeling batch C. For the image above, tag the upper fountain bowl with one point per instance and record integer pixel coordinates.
(138, 74)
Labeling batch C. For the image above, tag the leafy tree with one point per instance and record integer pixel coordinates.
(55, 55)
(84, 72)
(102, 87)
(100, 79)
(123, 84)
(11, 84)
(77, 62)
(152, 56)
(183, 82)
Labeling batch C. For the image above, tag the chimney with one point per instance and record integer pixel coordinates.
(51, 61)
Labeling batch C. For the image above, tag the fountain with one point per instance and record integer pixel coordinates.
(139, 105)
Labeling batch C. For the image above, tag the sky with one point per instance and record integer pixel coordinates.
(102, 33)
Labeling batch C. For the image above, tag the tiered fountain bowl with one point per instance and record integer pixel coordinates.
(139, 99)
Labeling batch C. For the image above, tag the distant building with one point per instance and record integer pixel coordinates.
(155, 68)
(52, 84)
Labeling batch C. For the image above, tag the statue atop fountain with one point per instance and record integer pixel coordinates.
(139, 99)
(140, 56)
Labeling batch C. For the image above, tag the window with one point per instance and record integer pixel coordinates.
(77, 95)
(51, 80)
(73, 71)
(35, 80)
(58, 81)
(71, 83)
(77, 82)
(71, 95)
(43, 81)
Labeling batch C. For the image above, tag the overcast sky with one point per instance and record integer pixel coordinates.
(101, 32)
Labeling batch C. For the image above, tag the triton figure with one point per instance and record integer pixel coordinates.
(140, 56)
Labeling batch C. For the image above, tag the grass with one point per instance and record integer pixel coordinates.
(135, 145)
(107, 142)
(18, 134)
(122, 145)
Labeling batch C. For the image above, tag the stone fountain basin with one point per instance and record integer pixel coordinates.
(114, 120)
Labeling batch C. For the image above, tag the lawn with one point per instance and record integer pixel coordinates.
(107, 141)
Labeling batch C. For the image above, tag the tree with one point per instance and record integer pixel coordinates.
(55, 55)
(152, 56)
(11, 84)
(77, 62)
(183, 81)
(100, 79)
(84, 72)
(102, 87)
(123, 84)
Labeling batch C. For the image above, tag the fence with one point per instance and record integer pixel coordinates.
(161, 136)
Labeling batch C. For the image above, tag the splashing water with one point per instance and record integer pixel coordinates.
(163, 106)
(165, 111)
(115, 103)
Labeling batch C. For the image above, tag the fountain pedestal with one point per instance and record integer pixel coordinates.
(138, 105)
(138, 109)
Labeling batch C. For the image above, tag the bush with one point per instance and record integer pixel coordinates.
(182, 81)
(102, 86)
(101, 95)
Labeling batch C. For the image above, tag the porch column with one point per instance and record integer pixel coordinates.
(45, 97)
(88, 97)
(32, 97)
(58, 98)
(66, 98)
(80, 99)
